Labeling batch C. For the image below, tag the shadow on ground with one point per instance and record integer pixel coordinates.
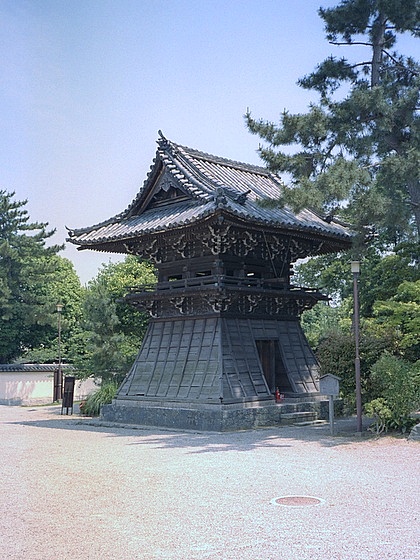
(207, 442)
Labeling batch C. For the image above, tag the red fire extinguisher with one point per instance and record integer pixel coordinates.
(277, 395)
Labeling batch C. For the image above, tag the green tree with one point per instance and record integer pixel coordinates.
(118, 278)
(320, 322)
(328, 273)
(402, 314)
(26, 268)
(336, 354)
(112, 331)
(397, 387)
(102, 344)
(381, 274)
(63, 286)
(356, 151)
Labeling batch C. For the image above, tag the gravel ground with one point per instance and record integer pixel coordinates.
(74, 489)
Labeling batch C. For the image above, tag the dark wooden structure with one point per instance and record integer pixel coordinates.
(224, 330)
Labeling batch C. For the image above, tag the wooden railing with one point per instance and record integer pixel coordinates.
(220, 281)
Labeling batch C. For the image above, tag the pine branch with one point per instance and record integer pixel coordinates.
(350, 44)
(398, 63)
(368, 63)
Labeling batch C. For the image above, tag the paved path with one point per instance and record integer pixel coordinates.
(77, 491)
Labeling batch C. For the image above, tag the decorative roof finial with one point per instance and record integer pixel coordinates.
(162, 141)
(241, 198)
(165, 144)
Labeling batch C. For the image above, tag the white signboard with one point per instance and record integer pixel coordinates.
(329, 385)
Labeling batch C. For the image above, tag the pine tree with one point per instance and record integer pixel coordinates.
(22, 247)
(357, 149)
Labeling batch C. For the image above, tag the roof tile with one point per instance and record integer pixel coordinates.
(202, 176)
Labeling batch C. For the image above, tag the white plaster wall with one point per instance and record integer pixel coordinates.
(35, 388)
(83, 388)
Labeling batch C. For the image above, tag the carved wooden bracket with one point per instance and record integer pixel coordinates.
(218, 239)
(152, 251)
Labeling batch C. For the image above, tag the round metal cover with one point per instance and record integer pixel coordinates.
(296, 501)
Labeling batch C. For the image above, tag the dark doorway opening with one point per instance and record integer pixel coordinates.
(273, 366)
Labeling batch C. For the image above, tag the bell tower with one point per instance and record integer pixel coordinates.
(224, 329)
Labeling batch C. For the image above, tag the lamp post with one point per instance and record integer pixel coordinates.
(58, 373)
(355, 268)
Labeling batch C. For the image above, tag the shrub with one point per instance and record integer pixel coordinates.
(397, 387)
(104, 395)
(379, 410)
(336, 353)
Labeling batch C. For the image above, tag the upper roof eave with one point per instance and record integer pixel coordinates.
(153, 223)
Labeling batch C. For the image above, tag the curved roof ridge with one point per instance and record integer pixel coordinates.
(201, 168)
(223, 161)
(173, 155)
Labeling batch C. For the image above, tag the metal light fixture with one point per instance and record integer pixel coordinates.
(355, 268)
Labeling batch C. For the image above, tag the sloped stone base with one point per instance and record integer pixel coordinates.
(213, 358)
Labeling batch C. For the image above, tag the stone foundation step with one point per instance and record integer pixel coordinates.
(292, 418)
(289, 406)
(312, 423)
(294, 409)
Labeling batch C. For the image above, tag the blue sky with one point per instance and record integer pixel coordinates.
(86, 84)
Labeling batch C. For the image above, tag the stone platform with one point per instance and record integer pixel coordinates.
(216, 418)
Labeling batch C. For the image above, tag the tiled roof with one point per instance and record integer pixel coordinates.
(31, 367)
(210, 183)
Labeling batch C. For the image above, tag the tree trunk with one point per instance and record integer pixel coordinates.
(413, 189)
(378, 39)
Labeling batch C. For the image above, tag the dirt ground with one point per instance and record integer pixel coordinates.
(71, 488)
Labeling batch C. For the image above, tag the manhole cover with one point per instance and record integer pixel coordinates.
(297, 501)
